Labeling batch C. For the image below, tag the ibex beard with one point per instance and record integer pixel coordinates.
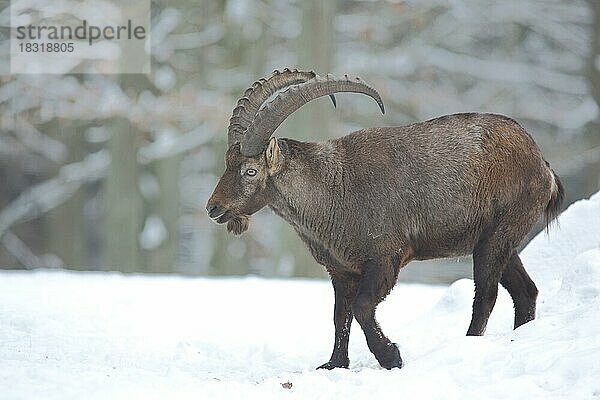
(368, 203)
(238, 225)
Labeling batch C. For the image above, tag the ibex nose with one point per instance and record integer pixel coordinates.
(214, 210)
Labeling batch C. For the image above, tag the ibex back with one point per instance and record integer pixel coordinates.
(370, 202)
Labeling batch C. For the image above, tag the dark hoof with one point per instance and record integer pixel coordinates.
(392, 357)
(334, 364)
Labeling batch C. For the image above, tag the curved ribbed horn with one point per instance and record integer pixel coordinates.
(275, 112)
(254, 97)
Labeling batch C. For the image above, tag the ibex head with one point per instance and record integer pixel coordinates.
(253, 156)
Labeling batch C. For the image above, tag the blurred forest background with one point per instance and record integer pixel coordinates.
(102, 172)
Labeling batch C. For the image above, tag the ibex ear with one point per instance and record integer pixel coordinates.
(273, 156)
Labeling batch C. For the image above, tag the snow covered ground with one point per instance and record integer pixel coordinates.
(106, 336)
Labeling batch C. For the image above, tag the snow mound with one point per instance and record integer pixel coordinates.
(107, 336)
(550, 258)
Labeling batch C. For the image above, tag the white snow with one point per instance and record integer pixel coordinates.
(67, 335)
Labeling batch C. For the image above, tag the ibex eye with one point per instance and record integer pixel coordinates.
(251, 172)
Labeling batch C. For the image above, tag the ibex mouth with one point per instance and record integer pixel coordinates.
(221, 219)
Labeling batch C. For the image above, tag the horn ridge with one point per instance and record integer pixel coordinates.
(295, 96)
(260, 91)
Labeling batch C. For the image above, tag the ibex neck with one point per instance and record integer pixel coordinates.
(309, 186)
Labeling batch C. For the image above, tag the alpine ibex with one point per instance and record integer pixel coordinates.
(368, 203)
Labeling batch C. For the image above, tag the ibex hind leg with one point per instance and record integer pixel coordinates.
(495, 260)
(489, 261)
(521, 288)
(375, 283)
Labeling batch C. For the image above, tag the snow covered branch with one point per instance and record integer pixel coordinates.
(169, 145)
(53, 192)
(49, 194)
(38, 142)
(504, 71)
(19, 249)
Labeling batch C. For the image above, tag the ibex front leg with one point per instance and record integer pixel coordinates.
(344, 287)
(375, 283)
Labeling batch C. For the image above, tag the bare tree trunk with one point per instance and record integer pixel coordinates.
(314, 121)
(123, 203)
(66, 233)
(164, 257)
